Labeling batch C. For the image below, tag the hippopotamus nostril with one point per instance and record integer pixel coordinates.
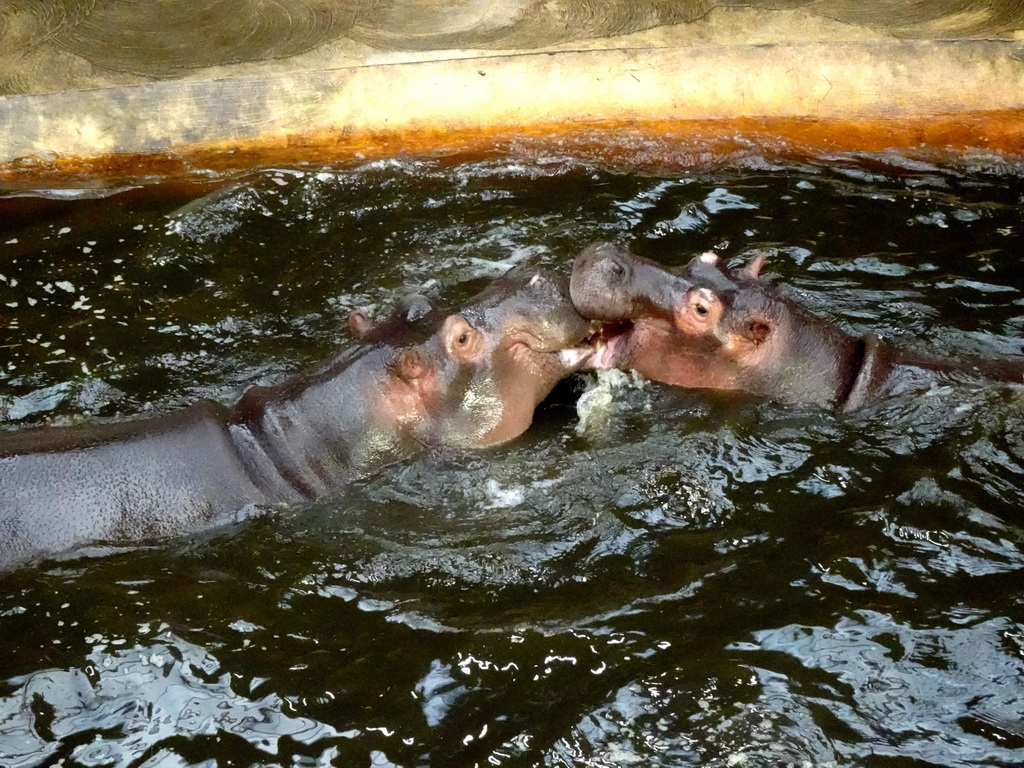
(595, 253)
(611, 270)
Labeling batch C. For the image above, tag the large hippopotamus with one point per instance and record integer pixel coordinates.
(468, 379)
(706, 326)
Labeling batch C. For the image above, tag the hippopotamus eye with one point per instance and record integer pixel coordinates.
(702, 301)
(461, 339)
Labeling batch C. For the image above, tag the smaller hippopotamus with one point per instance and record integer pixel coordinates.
(706, 326)
(467, 379)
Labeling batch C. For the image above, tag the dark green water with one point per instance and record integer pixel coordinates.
(686, 579)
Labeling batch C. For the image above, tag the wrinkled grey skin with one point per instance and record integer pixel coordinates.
(705, 326)
(466, 379)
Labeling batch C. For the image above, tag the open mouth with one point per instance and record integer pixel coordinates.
(562, 359)
(608, 342)
(540, 348)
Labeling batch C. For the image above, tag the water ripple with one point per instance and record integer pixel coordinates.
(129, 702)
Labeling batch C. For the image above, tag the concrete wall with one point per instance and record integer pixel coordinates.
(118, 89)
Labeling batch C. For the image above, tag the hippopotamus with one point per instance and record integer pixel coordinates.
(467, 378)
(704, 325)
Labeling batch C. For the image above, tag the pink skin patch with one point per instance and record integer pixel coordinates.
(607, 353)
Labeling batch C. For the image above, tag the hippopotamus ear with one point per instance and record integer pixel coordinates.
(358, 324)
(461, 340)
(756, 328)
(753, 267)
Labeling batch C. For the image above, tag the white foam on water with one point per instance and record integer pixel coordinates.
(502, 497)
(600, 401)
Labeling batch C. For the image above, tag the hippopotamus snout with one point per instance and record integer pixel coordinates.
(536, 307)
(604, 259)
(599, 276)
(611, 285)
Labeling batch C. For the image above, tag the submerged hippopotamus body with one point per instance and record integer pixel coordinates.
(704, 325)
(466, 379)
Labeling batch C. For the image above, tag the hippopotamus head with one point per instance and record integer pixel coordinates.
(704, 325)
(472, 376)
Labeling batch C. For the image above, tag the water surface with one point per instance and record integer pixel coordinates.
(655, 577)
